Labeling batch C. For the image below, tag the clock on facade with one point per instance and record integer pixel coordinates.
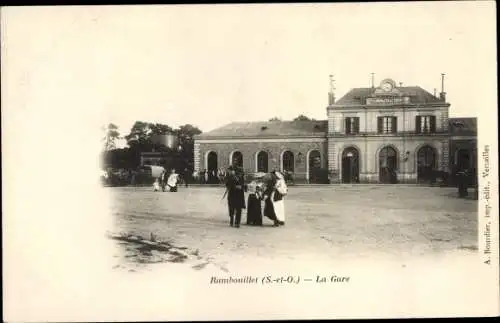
(387, 86)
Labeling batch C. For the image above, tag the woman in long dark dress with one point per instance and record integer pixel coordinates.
(254, 209)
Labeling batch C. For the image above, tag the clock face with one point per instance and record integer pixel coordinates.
(387, 86)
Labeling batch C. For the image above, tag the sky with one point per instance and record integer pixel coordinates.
(209, 65)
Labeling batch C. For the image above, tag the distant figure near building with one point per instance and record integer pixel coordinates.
(463, 183)
(163, 180)
(156, 185)
(172, 181)
(187, 177)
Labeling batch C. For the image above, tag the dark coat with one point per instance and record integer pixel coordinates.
(235, 186)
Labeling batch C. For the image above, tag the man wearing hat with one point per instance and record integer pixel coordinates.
(235, 188)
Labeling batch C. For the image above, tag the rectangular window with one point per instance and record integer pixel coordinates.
(425, 124)
(351, 125)
(387, 124)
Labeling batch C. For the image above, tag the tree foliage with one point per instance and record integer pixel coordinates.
(302, 117)
(275, 119)
(111, 134)
(141, 139)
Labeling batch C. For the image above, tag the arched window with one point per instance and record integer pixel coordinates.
(350, 165)
(314, 166)
(211, 161)
(388, 165)
(315, 159)
(288, 161)
(426, 163)
(237, 159)
(387, 158)
(262, 162)
(427, 157)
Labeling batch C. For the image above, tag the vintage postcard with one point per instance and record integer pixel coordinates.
(250, 162)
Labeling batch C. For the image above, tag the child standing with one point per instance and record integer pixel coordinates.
(254, 211)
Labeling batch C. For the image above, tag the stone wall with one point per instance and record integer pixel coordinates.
(274, 149)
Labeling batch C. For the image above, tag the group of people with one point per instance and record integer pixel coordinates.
(210, 176)
(167, 182)
(270, 188)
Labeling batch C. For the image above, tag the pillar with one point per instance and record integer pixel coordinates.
(333, 166)
(445, 156)
(197, 156)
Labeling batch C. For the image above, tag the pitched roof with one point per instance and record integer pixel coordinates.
(357, 96)
(263, 129)
(462, 125)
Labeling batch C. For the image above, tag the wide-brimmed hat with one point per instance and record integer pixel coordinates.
(259, 175)
(279, 175)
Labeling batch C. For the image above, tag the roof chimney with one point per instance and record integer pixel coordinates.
(442, 95)
(435, 92)
(373, 80)
(331, 94)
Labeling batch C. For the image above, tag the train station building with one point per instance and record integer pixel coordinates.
(380, 134)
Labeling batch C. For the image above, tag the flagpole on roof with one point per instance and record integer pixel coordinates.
(331, 95)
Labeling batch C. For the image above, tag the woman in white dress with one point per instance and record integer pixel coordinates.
(274, 207)
(172, 181)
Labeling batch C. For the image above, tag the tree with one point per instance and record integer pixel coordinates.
(110, 137)
(159, 129)
(275, 119)
(139, 134)
(140, 140)
(303, 118)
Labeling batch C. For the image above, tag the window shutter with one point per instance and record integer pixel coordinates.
(394, 124)
(356, 125)
(418, 124)
(379, 124)
(433, 124)
(347, 126)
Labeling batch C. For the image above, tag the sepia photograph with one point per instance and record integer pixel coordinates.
(249, 162)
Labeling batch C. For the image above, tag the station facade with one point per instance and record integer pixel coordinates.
(383, 134)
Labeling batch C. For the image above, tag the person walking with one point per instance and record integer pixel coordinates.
(187, 177)
(163, 179)
(463, 183)
(235, 186)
